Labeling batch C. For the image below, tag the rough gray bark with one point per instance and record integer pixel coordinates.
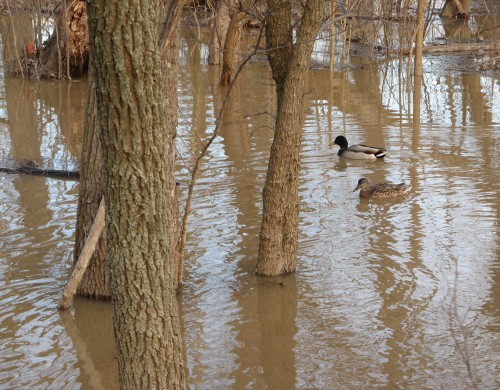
(169, 62)
(231, 43)
(124, 39)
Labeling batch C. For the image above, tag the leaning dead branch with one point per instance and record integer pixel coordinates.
(84, 259)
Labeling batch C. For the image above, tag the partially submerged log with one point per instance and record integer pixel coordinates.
(454, 47)
(52, 173)
(84, 259)
(30, 167)
(462, 47)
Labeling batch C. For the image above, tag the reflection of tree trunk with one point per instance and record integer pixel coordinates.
(199, 121)
(66, 52)
(289, 64)
(277, 314)
(455, 9)
(20, 99)
(17, 33)
(477, 107)
(95, 282)
(26, 144)
(417, 87)
(91, 333)
(69, 102)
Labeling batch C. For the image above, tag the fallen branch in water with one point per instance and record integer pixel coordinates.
(52, 173)
(454, 47)
(84, 259)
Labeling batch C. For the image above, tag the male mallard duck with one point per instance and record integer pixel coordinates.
(381, 190)
(358, 152)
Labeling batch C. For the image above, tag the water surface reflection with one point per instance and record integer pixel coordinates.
(369, 305)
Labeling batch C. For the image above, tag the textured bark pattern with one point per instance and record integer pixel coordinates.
(289, 63)
(169, 63)
(124, 38)
(95, 282)
(232, 39)
(218, 35)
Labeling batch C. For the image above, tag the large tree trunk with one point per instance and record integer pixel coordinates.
(289, 64)
(139, 222)
(169, 62)
(95, 282)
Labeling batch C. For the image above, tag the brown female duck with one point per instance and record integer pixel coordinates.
(381, 190)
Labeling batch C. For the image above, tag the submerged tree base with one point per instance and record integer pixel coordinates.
(64, 55)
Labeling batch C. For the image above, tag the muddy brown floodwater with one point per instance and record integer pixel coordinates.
(387, 294)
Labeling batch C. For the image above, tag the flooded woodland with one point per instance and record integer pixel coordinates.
(394, 294)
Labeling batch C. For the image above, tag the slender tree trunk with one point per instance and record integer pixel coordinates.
(124, 39)
(419, 39)
(218, 36)
(289, 63)
(230, 45)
